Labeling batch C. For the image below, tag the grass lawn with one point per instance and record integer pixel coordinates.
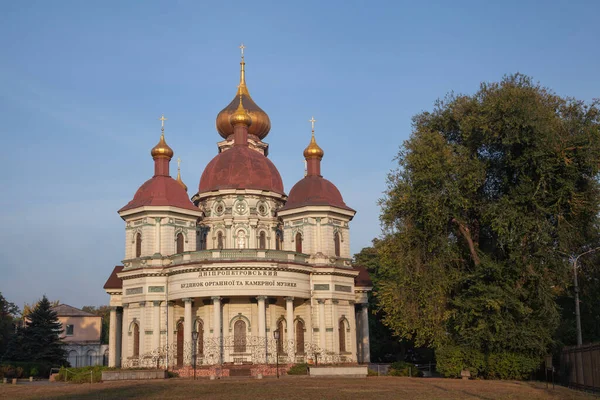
(296, 387)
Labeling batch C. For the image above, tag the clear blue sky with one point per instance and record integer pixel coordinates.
(83, 83)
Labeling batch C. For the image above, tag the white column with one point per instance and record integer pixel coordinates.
(187, 329)
(322, 328)
(217, 323)
(112, 338)
(142, 306)
(262, 328)
(156, 325)
(366, 356)
(170, 329)
(157, 236)
(336, 325)
(289, 308)
(353, 333)
(125, 332)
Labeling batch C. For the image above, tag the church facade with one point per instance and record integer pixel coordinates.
(240, 273)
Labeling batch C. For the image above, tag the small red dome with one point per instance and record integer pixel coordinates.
(314, 190)
(160, 190)
(240, 168)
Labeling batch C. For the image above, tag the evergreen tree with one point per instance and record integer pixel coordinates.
(8, 315)
(40, 339)
(492, 193)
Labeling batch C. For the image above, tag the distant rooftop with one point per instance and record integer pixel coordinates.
(65, 310)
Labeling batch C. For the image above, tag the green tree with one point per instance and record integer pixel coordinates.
(490, 192)
(8, 316)
(104, 312)
(39, 340)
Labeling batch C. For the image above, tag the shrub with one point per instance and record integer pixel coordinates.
(371, 372)
(298, 369)
(171, 374)
(508, 365)
(81, 375)
(403, 368)
(25, 369)
(451, 360)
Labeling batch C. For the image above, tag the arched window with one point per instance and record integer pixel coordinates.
(138, 245)
(179, 243)
(299, 337)
(180, 344)
(136, 340)
(280, 340)
(298, 242)
(342, 336)
(220, 240)
(203, 236)
(91, 358)
(278, 241)
(262, 241)
(336, 242)
(200, 343)
(239, 336)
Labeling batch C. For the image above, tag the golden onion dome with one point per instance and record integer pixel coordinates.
(313, 150)
(162, 149)
(261, 124)
(240, 116)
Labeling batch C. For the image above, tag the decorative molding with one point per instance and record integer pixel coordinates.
(156, 289)
(321, 286)
(135, 290)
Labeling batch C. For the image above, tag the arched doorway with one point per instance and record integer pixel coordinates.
(342, 336)
(136, 339)
(281, 330)
(239, 336)
(180, 344)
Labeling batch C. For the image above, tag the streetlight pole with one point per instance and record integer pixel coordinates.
(276, 336)
(195, 340)
(575, 259)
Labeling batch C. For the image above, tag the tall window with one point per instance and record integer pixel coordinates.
(136, 340)
(299, 337)
(262, 241)
(298, 243)
(278, 241)
(138, 245)
(220, 240)
(179, 243)
(180, 344)
(342, 337)
(280, 340)
(239, 336)
(200, 343)
(336, 242)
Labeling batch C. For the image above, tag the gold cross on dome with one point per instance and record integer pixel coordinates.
(312, 121)
(178, 162)
(242, 47)
(162, 121)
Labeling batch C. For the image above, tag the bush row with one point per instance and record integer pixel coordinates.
(451, 360)
(21, 369)
(81, 375)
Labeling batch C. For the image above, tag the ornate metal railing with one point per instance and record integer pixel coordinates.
(216, 254)
(217, 351)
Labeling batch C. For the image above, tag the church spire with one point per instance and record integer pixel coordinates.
(162, 153)
(183, 185)
(313, 154)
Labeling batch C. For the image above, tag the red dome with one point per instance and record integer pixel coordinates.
(314, 190)
(240, 168)
(161, 190)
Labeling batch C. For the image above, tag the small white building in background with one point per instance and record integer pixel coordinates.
(81, 335)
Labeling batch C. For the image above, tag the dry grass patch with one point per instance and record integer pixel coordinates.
(292, 388)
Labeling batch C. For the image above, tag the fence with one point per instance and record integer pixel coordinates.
(580, 367)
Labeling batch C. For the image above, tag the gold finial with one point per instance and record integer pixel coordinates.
(313, 150)
(179, 174)
(162, 149)
(242, 87)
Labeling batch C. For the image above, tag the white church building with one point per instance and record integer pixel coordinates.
(241, 272)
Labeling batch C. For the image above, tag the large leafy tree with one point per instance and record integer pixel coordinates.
(492, 192)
